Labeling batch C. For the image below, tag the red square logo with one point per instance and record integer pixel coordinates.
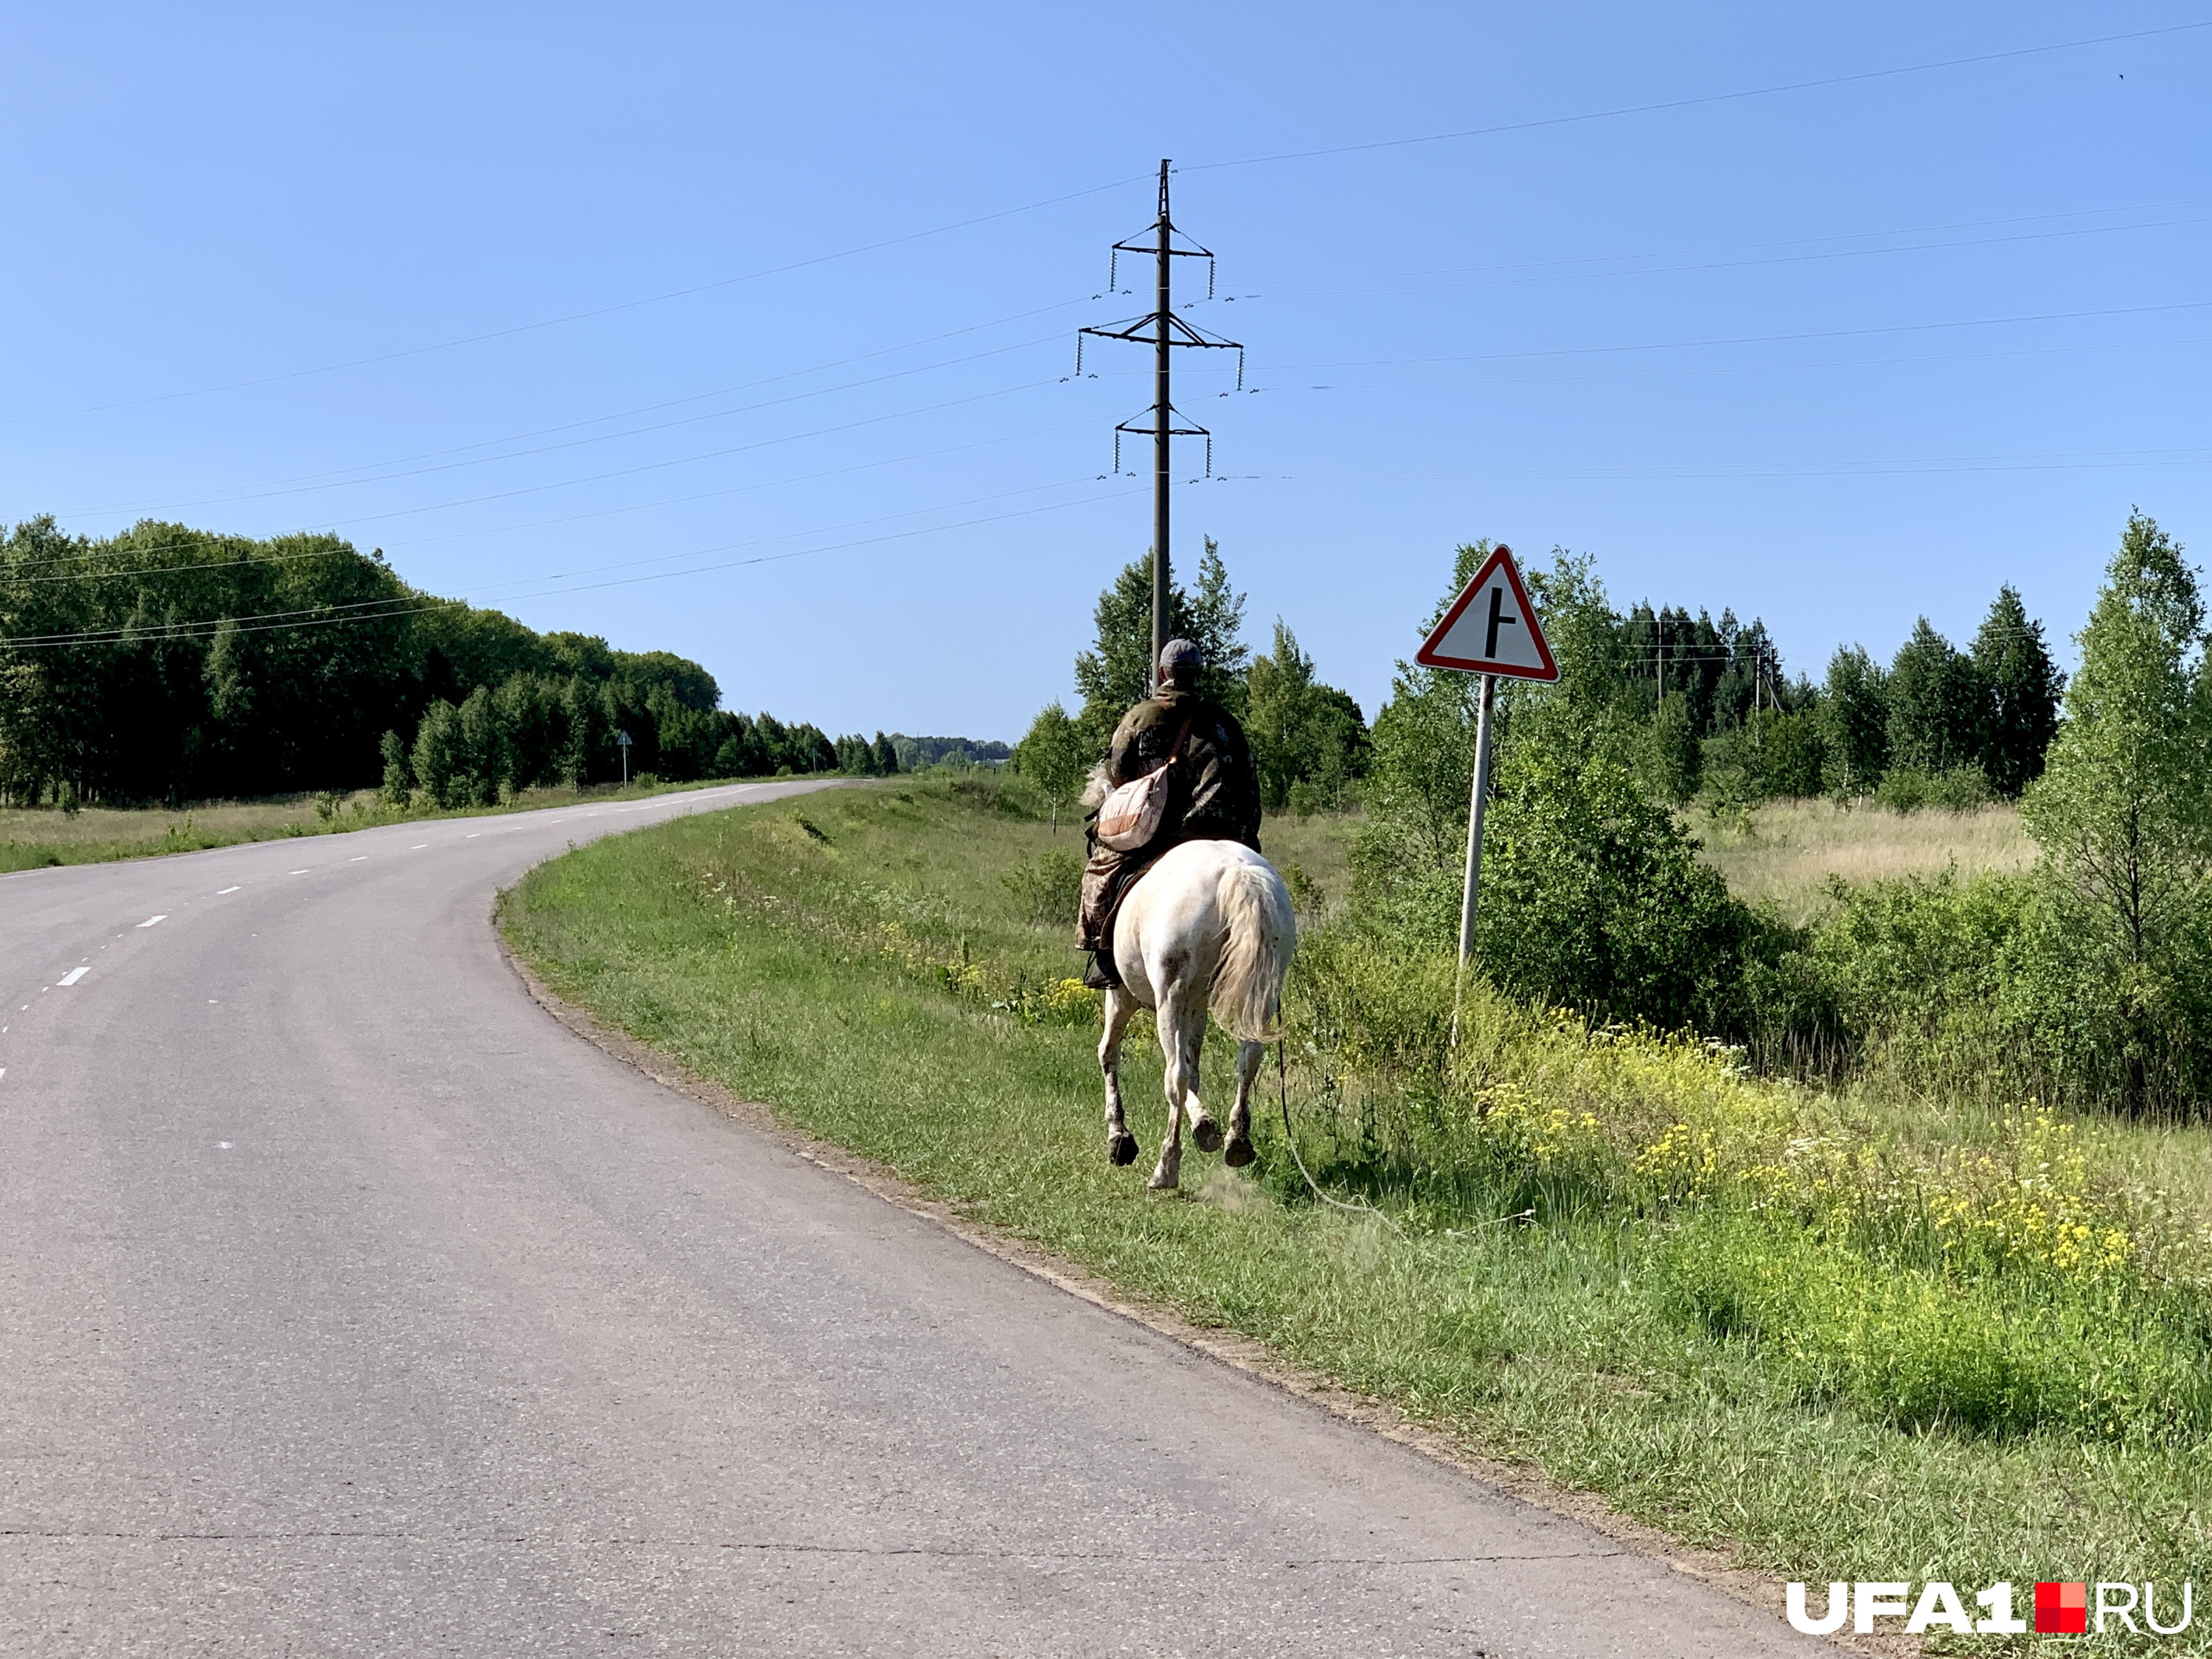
(2062, 1609)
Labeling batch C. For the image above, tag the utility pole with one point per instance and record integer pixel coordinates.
(1168, 332)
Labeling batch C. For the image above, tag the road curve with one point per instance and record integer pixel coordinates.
(348, 1305)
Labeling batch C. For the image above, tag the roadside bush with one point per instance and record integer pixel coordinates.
(1593, 899)
(1909, 788)
(1045, 889)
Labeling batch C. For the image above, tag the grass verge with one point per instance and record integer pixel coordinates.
(1761, 1379)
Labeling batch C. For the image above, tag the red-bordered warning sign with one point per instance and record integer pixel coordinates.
(1491, 628)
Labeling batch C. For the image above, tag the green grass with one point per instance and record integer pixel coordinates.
(31, 837)
(860, 962)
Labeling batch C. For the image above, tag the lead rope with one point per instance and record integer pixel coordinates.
(1283, 1094)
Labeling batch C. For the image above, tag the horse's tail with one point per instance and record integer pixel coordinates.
(1247, 987)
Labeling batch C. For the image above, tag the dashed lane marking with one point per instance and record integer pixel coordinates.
(150, 920)
(359, 857)
(73, 975)
(219, 892)
(299, 873)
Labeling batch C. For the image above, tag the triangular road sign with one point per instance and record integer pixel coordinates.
(1491, 628)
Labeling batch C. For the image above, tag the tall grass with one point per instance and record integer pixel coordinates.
(1786, 852)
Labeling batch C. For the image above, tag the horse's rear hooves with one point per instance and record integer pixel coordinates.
(1122, 1150)
(1207, 1135)
(1238, 1153)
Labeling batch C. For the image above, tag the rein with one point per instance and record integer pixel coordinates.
(1283, 1094)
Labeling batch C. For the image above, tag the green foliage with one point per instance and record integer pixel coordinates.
(1936, 699)
(2124, 815)
(1923, 1352)
(1670, 763)
(1593, 898)
(1053, 756)
(1045, 889)
(1592, 894)
(1116, 673)
(1854, 711)
(1909, 788)
(2023, 686)
(1303, 733)
(1774, 755)
(398, 787)
(857, 758)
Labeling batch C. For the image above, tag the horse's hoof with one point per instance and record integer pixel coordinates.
(1162, 1181)
(1207, 1133)
(1122, 1150)
(1239, 1151)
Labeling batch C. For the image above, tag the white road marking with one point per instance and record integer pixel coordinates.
(299, 873)
(418, 846)
(219, 892)
(359, 857)
(73, 975)
(472, 837)
(222, 1146)
(150, 920)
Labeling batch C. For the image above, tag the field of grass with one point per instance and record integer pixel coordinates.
(33, 836)
(1685, 1329)
(1785, 851)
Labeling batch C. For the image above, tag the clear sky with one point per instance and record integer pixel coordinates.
(546, 300)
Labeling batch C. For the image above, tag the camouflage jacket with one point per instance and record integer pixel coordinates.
(1214, 788)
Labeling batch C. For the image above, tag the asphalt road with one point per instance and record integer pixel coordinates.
(350, 1306)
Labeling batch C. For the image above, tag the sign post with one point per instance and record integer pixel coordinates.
(1490, 630)
(622, 742)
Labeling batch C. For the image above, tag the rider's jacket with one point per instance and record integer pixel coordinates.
(1214, 788)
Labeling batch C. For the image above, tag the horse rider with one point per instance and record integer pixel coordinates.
(1213, 793)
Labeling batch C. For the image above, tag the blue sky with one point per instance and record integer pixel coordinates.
(536, 300)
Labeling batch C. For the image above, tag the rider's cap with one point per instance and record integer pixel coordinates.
(1179, 660)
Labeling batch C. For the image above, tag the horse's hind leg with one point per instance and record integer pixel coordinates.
(1120, 1144)
(1203, 1131)
(1180, 1028)
(1239, 1151)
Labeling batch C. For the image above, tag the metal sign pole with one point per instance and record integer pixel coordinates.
(1473, 890)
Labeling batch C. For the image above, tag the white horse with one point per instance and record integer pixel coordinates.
(1208, 925)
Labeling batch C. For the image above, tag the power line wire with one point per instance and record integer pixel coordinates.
(585, 316)
(335, 473)
(233, 498)
(1738, 96)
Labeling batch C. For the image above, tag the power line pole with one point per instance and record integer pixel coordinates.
(1168, 332)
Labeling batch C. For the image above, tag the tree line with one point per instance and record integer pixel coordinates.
(169, 663)
(1937, 725)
